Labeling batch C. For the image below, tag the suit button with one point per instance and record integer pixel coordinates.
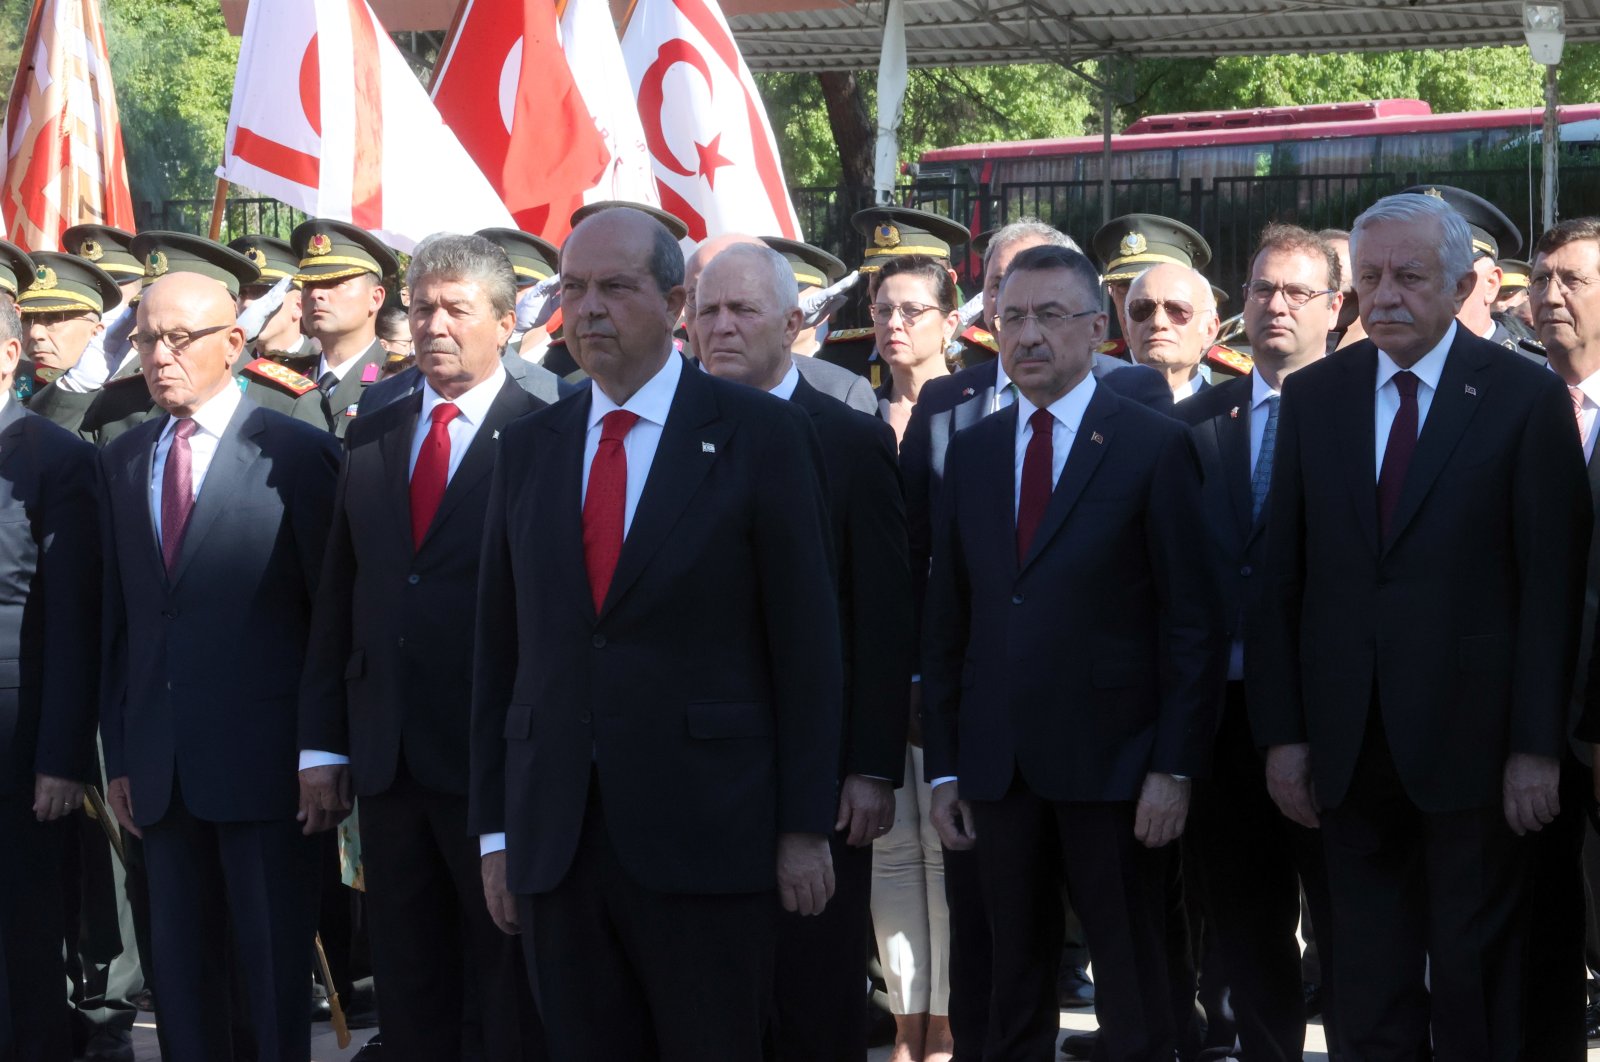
(400, 643)
(1016, 599)
(583, 717)
(413, 578)
(598, 641)
(1246, 570)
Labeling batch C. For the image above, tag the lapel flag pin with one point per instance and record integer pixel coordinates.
(496, 435)
(1473, 391)
(708, 448)
(1234, 412)
(1096, 437)
(967, 392)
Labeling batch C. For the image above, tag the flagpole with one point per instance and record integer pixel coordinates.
(217, 204)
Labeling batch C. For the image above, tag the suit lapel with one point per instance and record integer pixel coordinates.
(570, 428)
(1089, 445)
(235, 451)
(509, 403)
(1233, 446)
(1357, 434)
(348, 391)
(395, 446)
(11, 415)
(1448, 415)
(681, 462)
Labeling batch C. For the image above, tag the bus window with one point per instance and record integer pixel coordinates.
(1339, 155)
(1224, 160)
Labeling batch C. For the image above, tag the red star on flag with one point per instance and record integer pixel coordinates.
(711, 160)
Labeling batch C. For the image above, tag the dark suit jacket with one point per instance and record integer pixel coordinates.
(1463, 622)
(867, 511)
(537, 380)
(1098, 659)
(202, 670)
(49, 602)
(1584, 712)
(705, 696)
(951, 403)
(1219, 418)
(392, 637)
(835, 381)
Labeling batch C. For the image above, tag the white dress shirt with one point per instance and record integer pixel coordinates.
(1427, 370)
(463, 428)
(1591, 405)
(652, 403)
(1005, 392)
(211, 420)
(1189, 387)
(785, 387)
(341, 370)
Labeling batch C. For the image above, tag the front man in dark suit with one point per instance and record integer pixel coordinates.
(745, 322)
(1250, 860)
(1070, 667)
(384, 708)
(1411, 665)
(656, 695)
(50, 559)
(214, 521)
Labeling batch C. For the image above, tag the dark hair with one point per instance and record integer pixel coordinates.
(1046, 257)
(936, 271)
(1570, 231)
(392, 318)
(1292, 238)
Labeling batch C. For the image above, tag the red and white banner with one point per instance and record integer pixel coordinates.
(64, 159)
(594, 55)
(715, 159)
(358, 139)
(503, 86)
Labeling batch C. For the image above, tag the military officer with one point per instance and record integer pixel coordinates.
(280, 339)
(16, 270)
(1127, 246)
(532, 259)
(342, 269)
(891, 232)
(1493, 235)
(110, 249)
(61, 312)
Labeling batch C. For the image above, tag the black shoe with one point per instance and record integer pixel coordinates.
(1078, 1045)
(1591, 1022)
(1313, 998)
(371, 1051)
(1074, 990)
(109, 1045)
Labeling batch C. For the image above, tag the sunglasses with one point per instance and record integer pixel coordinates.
(1179, 313)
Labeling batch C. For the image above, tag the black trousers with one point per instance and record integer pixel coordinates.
(971, 981)
(1251, 861)
(451, 984)
(819, 982)
(1557, 985)
(1417, 892)
(626, 972)
(34, 1015)
(257, 881)
(1028, 846)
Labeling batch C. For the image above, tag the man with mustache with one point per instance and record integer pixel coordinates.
(1411, 661)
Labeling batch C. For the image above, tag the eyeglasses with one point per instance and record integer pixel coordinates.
(1045, 319)
(1296, 295)
(1178, 312)
(176, 340)
(909, 311)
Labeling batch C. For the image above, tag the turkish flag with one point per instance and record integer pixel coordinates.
(504, 87)
(715, 159)
(359, 140)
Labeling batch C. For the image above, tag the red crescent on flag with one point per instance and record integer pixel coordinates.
(652, 97)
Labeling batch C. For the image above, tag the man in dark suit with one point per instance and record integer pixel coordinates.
(1250, 860)
(656, 695)
(542, 385)
(1070, 667)
(50, 555)
(745, 322)
(214, 520)
(383, 709)
(1412, 662)
(1567, 315)
(945, 406)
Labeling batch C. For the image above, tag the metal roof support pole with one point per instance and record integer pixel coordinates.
(1552, 145)
(891, 101)
(1108, 104)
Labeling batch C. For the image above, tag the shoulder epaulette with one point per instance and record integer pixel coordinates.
(1230, 360)
(1115, 348)
(370, 373)
(1531, 346)
(842, 335)
(981, 337)
(282, 375)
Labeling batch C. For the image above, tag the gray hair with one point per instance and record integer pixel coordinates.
(1205, 299)
(773, 268)
(1027, 229)
(468, 259)
(10, 319)
(1455, 244)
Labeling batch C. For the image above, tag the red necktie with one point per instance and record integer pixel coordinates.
(428, 479)
(605, 505)
(1397, 451)
(1577, 412)
(177, 492)
(1037, 479)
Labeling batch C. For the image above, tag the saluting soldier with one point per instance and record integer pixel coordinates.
(891, 232)
(61, 310)
(67, 398)
(280, 338)
(342, 269)
(16, 272)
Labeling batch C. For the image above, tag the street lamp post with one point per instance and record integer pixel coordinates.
(1544, 23)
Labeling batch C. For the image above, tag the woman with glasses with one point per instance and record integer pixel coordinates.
(913, 319)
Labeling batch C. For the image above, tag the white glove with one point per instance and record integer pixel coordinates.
(103, 354)
(258, 313)
(537, 304)
(970, 311)
(820, 305)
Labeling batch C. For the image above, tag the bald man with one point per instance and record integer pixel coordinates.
(214, 518)
(1172, 322)
(832, 380)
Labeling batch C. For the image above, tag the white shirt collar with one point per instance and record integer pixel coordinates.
(651, 402)
(1189, 387)
(1260, 390)
(212, 418)
(1428, 368)
(1002, 381)
(791, 380)
(474, 403)
(1068, 409)
(342, 370)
